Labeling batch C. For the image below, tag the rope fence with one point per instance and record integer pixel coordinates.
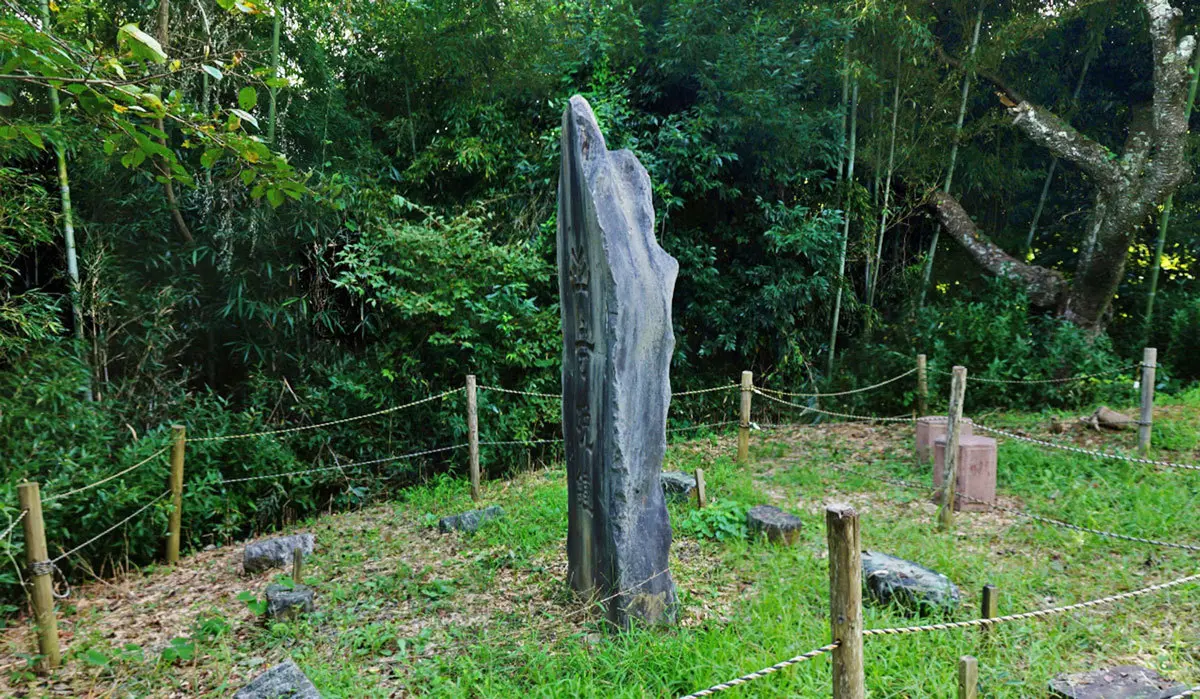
(44, 567)
(1066, 379)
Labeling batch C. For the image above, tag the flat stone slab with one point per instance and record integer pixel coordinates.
(678, 486)
(779, 526)
(276, 552)
(1122, 682)
(284, 681)
(288, 602)
(471, 521)
(913, 588)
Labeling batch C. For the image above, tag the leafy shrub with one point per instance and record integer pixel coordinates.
(1184, 347)
(720, 520)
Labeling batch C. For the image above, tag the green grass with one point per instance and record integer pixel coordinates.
(402, 608)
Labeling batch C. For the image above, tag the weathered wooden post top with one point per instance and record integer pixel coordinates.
(616, 285)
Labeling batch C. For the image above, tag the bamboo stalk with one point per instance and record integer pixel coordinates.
(887, 185)
(841, 277)
(962, 113)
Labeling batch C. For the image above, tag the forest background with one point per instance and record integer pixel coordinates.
(281, 214)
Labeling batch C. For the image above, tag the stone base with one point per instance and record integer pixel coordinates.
(1123, 682)
(976, 472)
(284, 681)
(930, 428)
(678, 486)
(916, 589)
(470, 522)
(276, 552)
(287, 602)
(779, 526)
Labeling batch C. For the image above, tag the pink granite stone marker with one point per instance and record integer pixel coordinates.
(930, 428)
(976, 471)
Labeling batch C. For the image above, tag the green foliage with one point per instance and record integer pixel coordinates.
(179, 650)
(1184, 340)
(719, 520)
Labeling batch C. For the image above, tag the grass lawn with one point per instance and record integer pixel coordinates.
(403, 610)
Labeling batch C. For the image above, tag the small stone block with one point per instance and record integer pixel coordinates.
(779, 526)
(276, 552)
(976, 472)
(284, 681)
(1123, 682)
(678, 486)
(911, 587)
(470, 522)
(930, 428)
(286, 602)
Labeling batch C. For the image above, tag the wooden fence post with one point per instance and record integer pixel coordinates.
(175, 522)
(922, 387)
(968, 677)
(988, 608)
(1146, 420)
(845, 600)
(701, 499)
(473, 435)
(743, 452)
(958, 389)
(297, 565)
(42, 572)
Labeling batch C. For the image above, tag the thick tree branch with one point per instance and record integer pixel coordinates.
(1171, 61)
(1046, 129)
(1044, 286)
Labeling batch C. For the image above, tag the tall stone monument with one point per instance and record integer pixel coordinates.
(615, 284)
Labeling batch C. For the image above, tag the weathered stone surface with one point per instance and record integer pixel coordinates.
(779, 526)
(288, 602)
(914, 588)
(678, 486)
(284, 681)
(976, 481)
(275, 553)
(1123, 682)
(616, 285)
(471, 521)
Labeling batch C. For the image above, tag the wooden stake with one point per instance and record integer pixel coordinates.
(176, 482)
(845, 600)
(743, 452)
(701, 499)
(473, 435)
(988, 608)
(968, 677)
(922, 387)
(42, 572)
(958, 388)
(1145, 422)
(297, 565)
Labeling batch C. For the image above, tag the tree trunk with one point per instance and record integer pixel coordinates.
(962, 112)
(1165, 219)
(273, 91)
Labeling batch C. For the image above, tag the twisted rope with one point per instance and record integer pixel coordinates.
(872, 387)
(707, 424)
(302, 428)
(1035, 614)
(519, 393)
(524, 442)
(724, 387)
(5, 534)
(851, 416)
(94, 539)
(343, 467)
(134, 467)
(750, 677)
(1089, 452)
(1067, 379)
